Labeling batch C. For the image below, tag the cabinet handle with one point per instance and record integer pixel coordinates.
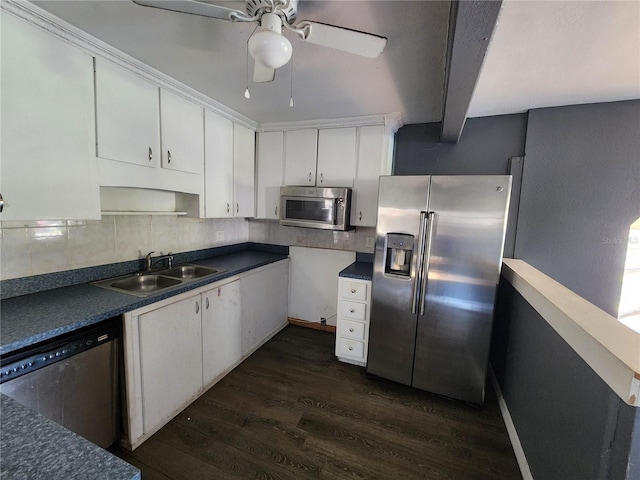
(360, 216)
(351, 329)
(168, 156)
(309, 177)
(197, 307)
(276, 211)
(237, 207)
(2, 203)
(352, 310)
(321, 178)
(150, 154)
(353, 290)
(207, 303)
(227, 208)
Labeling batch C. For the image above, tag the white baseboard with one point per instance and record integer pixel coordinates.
(511, 430)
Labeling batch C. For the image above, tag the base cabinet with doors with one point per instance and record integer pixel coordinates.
(352, 326)
(177, 348)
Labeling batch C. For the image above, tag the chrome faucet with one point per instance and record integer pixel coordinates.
(150, 262)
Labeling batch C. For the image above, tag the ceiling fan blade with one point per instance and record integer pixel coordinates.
(351, 41)
(193, 7)
(262, 74)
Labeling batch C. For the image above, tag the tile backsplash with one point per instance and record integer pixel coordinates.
(34, 248)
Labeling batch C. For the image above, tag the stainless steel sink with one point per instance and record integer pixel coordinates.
(189, 271)
(146, 283)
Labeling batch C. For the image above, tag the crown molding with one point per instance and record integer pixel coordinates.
(44, 20)
(392, 121)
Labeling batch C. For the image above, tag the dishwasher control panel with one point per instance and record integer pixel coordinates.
(60, 348)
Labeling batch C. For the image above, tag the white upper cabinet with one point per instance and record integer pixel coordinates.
(128, 116)
(300, 154)
(48, 131)
(218, 171)
(270, 152)
(244, 148)
(373, 160)
(229, 168)
(182, 133)
(336, 157)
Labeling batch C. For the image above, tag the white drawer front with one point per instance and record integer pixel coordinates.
(350, 348)
(354, 290)
(353, 310)
(352, 329)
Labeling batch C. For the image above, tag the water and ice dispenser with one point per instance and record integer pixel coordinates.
(398, 253)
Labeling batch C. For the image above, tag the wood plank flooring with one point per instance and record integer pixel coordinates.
(292, 411)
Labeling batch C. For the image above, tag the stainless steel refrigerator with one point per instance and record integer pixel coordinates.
(438, 254)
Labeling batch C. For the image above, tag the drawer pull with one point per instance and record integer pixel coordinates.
(351, 329)
(352, 310)
(350, 348)
(353, 290)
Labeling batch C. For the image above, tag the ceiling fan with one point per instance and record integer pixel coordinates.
(268, 47)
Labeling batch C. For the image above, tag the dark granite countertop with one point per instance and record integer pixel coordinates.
(358, 270)
(36, 447)
(30, 319)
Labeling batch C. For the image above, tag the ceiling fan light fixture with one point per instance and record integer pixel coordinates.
(268, 46)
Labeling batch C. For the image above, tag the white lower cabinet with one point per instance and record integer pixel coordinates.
(352, 326)
(221, 331)
(170, 372)
(177, 348)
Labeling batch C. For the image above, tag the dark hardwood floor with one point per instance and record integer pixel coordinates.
(292, 411)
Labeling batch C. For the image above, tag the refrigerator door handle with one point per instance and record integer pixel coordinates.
(426, 261)
(419, 264)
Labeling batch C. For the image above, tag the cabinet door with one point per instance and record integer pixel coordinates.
(300, 154)
(218, 172)
(128, 116)
(372, 162)
(336, 157)
(270, 151)
(182, 133)
(48, 166)
(244, 154)
(170, 360)
(220, 330)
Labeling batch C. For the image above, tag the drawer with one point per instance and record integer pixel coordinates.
(351, 329)
(350, 348)
(353, 290)
(353, 310)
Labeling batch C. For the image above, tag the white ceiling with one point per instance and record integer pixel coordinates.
(542, 53)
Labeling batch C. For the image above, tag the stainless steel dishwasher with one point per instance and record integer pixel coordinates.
(71, 379)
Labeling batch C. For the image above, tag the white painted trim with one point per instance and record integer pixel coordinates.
(44, 20)
(608, 346)
(391, 120)
(521, 458)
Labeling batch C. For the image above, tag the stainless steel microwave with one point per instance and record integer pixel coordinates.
(316, 207)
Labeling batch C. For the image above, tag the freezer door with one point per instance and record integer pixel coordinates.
(392, 326)
(453, 335)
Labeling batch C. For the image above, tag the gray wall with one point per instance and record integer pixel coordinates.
(484, 148)
(570, 423)
(580, 194)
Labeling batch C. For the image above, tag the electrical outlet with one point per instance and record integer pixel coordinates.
(219, 235)
(369, 242)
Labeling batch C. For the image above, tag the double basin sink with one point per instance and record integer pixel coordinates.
(146, 283)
